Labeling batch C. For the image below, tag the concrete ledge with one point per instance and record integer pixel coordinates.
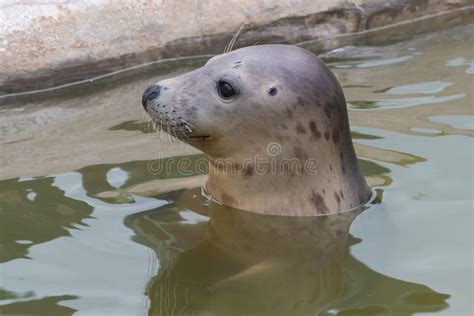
(55, 42)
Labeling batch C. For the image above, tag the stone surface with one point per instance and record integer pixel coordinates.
(48, 43)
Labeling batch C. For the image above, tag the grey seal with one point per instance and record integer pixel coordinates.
(261, 114)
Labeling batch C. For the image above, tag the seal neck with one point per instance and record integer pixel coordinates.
(284, 185)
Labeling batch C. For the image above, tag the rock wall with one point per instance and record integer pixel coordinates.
(49, 43)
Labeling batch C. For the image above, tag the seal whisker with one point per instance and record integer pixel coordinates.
(154, 127)
(161, 125)
(173, 132)
(143, 118)
(144, 121)
(158, 129)
(148, 124)
(161, 122)
(187, 127)
(225, 48)
(188, 124)
(179, 134)
(230, 46)
(175, 137)
(168, 129)
(184, 134)
(234, 39)
(151, 125)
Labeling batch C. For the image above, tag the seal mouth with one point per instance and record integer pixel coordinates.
(198, 138)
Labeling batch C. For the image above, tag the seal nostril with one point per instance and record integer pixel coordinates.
(152, 96)
(150, 93)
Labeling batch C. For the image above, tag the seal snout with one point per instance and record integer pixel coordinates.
(152, 92)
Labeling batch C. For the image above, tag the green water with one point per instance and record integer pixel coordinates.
(67, 249)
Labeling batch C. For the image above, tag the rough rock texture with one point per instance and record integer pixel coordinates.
(48, 43)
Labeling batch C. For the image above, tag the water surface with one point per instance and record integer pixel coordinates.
(70, 247)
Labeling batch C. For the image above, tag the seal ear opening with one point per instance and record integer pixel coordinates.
(272, 91)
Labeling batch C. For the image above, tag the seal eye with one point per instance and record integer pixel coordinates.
(225, 89)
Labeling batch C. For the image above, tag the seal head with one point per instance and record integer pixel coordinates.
(273, 121)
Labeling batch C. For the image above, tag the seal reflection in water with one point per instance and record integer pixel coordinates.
(242, 263)
(239, 104)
